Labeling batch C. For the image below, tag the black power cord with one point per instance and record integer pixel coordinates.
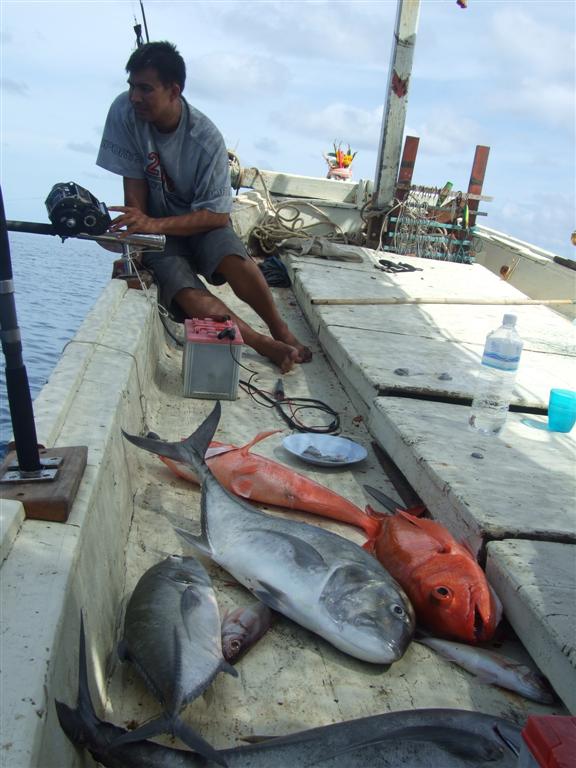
(290, 407)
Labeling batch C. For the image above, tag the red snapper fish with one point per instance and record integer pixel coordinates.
(449, 591)
(263, 480)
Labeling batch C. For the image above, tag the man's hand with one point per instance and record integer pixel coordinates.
(133, 220)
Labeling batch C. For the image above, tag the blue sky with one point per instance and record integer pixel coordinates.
(283, 80)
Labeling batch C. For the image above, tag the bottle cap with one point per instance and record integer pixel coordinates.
(509, 320)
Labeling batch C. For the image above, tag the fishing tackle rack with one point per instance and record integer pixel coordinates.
(433, 222)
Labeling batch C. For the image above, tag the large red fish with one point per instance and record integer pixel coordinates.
(448, 589)
(266, 481)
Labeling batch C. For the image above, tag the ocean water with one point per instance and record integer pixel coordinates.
(56, 284)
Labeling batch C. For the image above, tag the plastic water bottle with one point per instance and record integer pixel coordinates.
(496, 378)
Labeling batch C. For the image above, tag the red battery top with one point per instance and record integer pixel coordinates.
(552, 740)
(206, 330)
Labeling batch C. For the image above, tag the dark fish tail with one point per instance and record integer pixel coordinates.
(77, 722)
(190, 451)
(174, 725)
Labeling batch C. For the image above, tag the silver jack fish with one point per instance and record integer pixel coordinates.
(320, 580)
(420, 738)
(494, 668)
(172, 635)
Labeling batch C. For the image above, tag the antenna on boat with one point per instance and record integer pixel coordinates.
(144, 20)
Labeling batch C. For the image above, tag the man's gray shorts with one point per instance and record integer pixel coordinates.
(179, 265)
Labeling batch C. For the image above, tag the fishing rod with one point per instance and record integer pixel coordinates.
(72, 210)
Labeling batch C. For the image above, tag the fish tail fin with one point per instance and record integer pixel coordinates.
(84, 704)
(174, 725)
(199, 543)
(190, 451)
(77, 722)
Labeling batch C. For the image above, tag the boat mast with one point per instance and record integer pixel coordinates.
(394, 116)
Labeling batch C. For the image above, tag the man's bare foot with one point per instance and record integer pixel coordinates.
(284, 355)
(284, 334)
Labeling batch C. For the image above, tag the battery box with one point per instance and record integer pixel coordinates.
(210, 364)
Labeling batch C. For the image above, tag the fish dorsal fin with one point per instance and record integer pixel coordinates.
(431, 528)
(258, 439)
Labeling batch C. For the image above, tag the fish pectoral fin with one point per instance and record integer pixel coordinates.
(369, 546)
(228, 668)
(122, 651)
(272, 597)
(305, 555)
(243, 485)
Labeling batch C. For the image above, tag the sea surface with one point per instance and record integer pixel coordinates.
(56, 284)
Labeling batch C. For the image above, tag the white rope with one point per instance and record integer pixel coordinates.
(285, 220)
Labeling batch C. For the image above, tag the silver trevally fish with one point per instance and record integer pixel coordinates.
(322, 581)
(172, 635)
(490, 667)
(418, 738)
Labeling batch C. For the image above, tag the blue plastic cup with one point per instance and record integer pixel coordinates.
(561, 410)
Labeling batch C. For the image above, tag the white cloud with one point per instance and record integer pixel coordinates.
(235, 77)
(446, 133)
(15, 87)
(268, 145)
(339, 31)
(334, 122)
(530, 44)
(84, 147)
(545, 101)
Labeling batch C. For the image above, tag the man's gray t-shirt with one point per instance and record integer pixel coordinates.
(186, 170)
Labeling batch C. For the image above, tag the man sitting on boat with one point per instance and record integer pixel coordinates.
(177, 183)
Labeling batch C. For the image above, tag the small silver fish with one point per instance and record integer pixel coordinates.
(491, 667)
(242, 628)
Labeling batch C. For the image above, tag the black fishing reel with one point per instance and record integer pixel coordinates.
(73, 210)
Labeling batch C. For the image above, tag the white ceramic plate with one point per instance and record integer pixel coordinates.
(324, 450)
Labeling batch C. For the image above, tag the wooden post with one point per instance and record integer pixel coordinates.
(407, 166)
(402, 189)
(476, 181)
(394, 116)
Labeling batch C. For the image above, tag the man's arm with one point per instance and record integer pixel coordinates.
(135, 219)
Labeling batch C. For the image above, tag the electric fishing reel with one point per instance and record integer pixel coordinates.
(73, 210)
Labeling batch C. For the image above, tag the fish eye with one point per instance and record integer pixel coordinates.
(235, 645)
(398, 610)
(442, 594)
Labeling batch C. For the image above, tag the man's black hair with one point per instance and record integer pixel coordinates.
(164, 58)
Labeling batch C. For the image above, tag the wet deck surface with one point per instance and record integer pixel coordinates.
(291, 680)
